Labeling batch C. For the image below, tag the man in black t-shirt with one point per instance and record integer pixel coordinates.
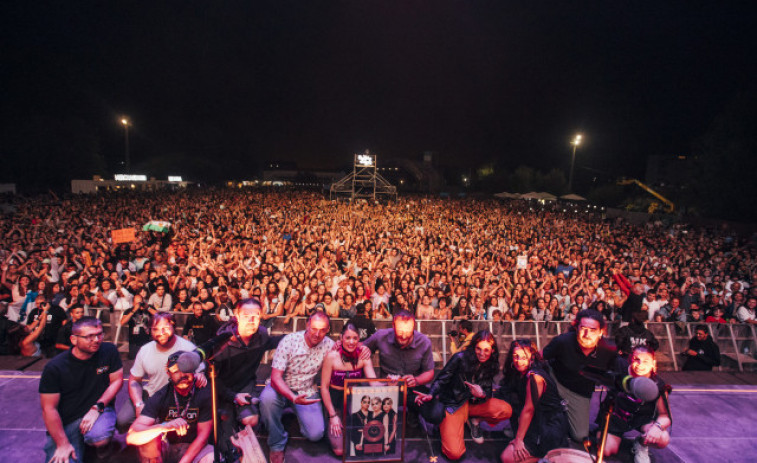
(568, 354)
(364, 325)
(54, 320)
(181, 411)
(77, 392)
(63, 342)
(200, 326)
(138, 320)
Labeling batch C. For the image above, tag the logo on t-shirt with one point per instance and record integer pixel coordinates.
(191, 417)
(102, 369)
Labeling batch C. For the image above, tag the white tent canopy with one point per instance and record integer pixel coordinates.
(539, 195)
(506, 195)
(572, 197)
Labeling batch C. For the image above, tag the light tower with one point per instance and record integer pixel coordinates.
(364, 182)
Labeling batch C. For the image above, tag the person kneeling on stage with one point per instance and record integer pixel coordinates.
(181, 411)
(464, 390)
(651, 418)
(539, 419)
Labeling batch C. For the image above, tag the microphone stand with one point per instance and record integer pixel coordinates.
(606, 427)
(216, 450)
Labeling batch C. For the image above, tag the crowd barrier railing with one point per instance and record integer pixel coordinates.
(737, 342)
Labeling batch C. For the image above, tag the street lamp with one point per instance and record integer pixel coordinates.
(576, 141)
(125, 122)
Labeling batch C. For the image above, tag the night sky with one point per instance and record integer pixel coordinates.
(241, 82)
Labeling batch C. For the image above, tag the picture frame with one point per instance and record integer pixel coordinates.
(374, 415)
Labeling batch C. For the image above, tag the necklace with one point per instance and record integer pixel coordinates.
(183, 413)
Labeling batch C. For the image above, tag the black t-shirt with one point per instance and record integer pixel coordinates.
(55, 318)
(139, 332)
(566, 359)
(79, 382)
(200, 329)
(364, 325)
(64, 335)
(162, 407)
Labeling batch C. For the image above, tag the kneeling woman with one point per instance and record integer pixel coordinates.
(539, 420)
(339, 365)
(650, 418)
(464, 390)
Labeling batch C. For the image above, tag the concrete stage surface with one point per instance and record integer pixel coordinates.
(714, 421)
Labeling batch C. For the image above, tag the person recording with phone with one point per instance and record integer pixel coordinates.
(461, 339)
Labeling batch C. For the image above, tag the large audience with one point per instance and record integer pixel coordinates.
(239, 259)
(298, 252)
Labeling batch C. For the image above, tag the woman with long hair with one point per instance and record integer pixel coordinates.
(464, 389)
(539, 421)
(390, 425)
(338, 366)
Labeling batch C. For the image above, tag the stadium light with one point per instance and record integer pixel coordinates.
(576, 141)
(126, 123)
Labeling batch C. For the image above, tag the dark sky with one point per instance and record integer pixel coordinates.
(314, 81)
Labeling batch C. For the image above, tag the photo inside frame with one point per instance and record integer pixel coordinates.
(373, 421)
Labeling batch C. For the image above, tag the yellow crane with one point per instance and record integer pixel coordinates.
(670, 207)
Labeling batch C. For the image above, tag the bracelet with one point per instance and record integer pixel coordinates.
(657, 423)
(333, 416)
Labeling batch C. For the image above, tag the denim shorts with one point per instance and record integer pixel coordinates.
(103, 429)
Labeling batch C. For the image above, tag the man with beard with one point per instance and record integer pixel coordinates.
(183, 413)
(151, 363)
(77, 392)
(406, 354)
(568, 354)
(237, 367)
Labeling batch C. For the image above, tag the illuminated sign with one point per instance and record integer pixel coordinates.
(364, 160)
(174, 178)
(130, 178)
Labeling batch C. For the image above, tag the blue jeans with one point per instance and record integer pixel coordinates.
(103, 429)
(272, 406)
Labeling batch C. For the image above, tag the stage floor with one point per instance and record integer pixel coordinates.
(713, 422)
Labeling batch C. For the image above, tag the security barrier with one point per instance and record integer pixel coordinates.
(737, 342)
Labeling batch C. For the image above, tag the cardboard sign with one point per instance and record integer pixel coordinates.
(522, 262)
(124, 235)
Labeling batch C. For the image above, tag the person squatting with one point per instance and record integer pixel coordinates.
(543, 394)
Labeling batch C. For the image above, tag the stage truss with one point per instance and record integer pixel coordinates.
(364, 182)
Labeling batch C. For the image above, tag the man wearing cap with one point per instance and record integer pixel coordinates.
(183, 413)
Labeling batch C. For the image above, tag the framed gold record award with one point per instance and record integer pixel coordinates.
(374, 420)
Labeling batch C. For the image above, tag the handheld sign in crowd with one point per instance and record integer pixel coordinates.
(124, 235)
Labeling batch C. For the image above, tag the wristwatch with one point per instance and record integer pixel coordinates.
(99, 406)
(138, 404)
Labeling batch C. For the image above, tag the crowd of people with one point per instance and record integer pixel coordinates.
(297, 254)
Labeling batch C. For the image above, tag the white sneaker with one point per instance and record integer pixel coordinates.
(475, 431)
(640, 453)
